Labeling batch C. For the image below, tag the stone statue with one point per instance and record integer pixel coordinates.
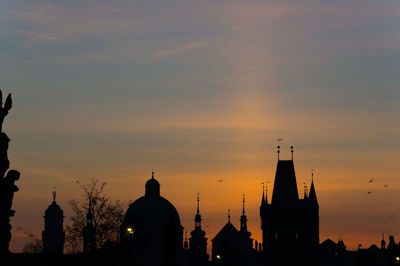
(7, 186)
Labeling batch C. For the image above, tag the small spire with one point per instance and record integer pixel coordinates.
(312, 175)
(279, 151)
(229, 215)
(291, 151)
(152, 173)
(198, 201)
(263, 195)
(243, 204)
(266, 194)
(54, 194)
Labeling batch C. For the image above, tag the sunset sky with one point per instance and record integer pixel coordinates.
(201, 91)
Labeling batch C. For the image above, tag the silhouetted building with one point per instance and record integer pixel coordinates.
(152, 232)
(290, 225)
(53, 236)
(89, 233)
(233, 247)
(198, 241)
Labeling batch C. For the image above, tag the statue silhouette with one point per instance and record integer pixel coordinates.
(7, 186)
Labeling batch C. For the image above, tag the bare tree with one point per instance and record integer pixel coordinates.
(34, 245)
(107, 216)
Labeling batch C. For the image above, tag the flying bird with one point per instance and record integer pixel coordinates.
(279, 139)
(220, 181)
(385, 185)
(371, 180)
(369, 192)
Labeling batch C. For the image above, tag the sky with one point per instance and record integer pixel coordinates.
(201, 91)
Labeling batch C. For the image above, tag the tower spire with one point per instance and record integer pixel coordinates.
(197, 217)
(243, 204)
(313, 195)
(229, 215)
(243, 218)
(198, 201)
(263, 195)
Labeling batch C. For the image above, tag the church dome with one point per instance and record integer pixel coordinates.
(153, 224)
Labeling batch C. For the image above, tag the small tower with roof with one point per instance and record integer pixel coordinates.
(198, 241)
(89, 233)
(53, 236)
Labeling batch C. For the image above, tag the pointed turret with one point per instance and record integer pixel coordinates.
(198, 241)
(383, 242)
(243, 219)
(263, 195)
(197, 218)
(313, 195)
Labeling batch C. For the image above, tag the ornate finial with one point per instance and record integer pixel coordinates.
(243, 204)
(54, 194)
(198, 201)
(291, 151)
(152, 173)
(229, 215)
(312, 175)
(279, 151)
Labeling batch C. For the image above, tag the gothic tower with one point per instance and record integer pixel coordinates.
(246, 241)
(198, 241)
(53, 236)
(89, 233)
(290, 225)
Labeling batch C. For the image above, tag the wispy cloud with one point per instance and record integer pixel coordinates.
(51, 23)
(164, 54)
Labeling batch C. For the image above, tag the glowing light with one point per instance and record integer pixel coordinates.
(218, 257)
(397, 258)
(130, 230)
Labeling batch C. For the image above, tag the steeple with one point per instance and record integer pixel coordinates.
(266, 194)
(383, 242)
(243, 218)
(197, 217)
(263, 195)
(229, 215)
(313, 196)
(89, 232)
